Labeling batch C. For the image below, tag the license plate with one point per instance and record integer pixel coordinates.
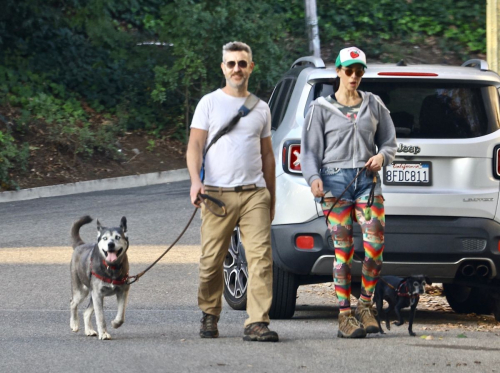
(408, 173)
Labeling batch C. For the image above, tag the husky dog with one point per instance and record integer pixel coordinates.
(100, 269)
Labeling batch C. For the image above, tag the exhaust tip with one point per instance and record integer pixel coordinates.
(482, 270)
(468, 270)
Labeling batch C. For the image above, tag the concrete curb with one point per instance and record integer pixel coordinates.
(133, 181)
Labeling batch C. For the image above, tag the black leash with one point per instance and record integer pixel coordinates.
(371, 196)
(369, 203)
(385, 282)
(250, 102)
(202, 198)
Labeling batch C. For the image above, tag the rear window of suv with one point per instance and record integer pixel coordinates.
(436, 109)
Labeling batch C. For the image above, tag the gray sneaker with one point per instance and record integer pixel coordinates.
(208, 327)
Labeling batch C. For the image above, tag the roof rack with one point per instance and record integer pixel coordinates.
(309, 60)
(478, 64)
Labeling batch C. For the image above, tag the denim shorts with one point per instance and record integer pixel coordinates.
(335, 180)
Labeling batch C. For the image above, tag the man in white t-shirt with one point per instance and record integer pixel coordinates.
(239, 171)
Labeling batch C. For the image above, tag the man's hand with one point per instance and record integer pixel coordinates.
(317, 188)
(194, 157)
(375, 163)
(196, 188)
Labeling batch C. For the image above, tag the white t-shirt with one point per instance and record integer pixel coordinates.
(235, 159)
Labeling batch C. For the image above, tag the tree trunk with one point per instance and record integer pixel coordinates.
(312, 28)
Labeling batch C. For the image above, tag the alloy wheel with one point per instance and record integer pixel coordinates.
(235, 271)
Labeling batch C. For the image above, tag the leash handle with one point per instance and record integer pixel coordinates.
(371, 197)
(222, 205)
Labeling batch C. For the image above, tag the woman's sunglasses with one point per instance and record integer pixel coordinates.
(359, 73)
(242, 64)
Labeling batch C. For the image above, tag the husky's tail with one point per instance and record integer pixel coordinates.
(75, 230)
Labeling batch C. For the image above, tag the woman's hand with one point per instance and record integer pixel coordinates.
(375, 163)
(317, 188)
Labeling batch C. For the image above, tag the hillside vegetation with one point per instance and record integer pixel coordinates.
(78, 75)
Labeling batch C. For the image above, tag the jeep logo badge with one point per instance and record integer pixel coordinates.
(408, 149)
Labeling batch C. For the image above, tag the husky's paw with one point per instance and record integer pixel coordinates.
(116, 323)
(104, 336)
(90, 332)
(74, 325)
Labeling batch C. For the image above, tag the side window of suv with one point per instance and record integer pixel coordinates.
(280, 99)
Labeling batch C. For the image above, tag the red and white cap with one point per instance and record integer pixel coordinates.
(350, 56)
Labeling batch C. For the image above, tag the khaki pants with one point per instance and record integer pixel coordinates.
(251, 211)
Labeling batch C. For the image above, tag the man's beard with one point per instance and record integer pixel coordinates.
(237, 85)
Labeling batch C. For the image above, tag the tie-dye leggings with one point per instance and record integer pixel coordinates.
(340, 222)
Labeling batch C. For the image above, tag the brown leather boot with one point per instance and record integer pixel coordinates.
(208, 327)
(350, 327)
(365, 313)
(258, 331)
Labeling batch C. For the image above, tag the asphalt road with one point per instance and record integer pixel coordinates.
(160, 333)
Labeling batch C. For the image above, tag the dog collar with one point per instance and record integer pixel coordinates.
(111, 281)
(108, 280)
(403, 291)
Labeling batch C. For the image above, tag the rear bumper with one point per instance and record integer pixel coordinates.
(439, 247)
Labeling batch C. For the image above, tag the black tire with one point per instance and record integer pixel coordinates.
(236, 274)
(496, 307)
(483, 302)
(284, 294)
(464, 299)
(236, 280)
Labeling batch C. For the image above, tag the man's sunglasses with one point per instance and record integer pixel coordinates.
(242, 64)
(359, 73)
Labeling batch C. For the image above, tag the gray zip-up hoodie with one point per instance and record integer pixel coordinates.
(330, 139)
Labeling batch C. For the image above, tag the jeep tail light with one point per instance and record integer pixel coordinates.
(294, 158)
(496, 162)
(291, 157)
(304, 242)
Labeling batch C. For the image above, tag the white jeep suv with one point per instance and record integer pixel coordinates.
(441, 192)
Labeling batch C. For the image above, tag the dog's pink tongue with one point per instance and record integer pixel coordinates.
(112, 257)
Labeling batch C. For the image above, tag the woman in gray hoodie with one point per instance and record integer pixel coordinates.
(344, 133)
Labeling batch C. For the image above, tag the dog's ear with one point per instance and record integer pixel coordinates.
(428, 280)
(99, 230)
(123, 224)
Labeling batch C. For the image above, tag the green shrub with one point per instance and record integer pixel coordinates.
(60, 110)
(57, 54)
(12, 157)
(370, 24)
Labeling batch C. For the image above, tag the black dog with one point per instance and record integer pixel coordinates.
(399, 293)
